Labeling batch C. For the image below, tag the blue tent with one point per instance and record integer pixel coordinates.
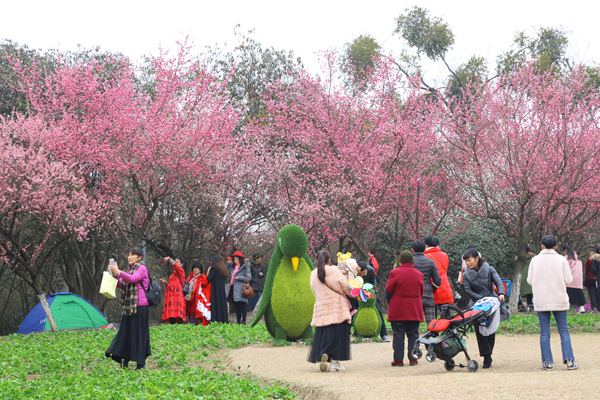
(69, 311)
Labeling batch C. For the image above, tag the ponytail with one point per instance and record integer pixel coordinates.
(323, 258)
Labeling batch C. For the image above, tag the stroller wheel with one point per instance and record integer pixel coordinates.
(473, 366)
(449, 365)
(416, 353)
(431, 357)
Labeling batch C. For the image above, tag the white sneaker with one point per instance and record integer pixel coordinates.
(335, 366)
(581, 310)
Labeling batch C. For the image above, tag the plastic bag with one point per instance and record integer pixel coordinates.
(108, 287)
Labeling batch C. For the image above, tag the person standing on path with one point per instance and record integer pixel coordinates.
(258, 280)
(217, 277)
(331, 315)
(575, 288)
(174, 305)
(595, 268)
(549, 274)
(404, 290)
(431, 278)
(479, 280)
(240, 275)
(590, 283)
(443, 295)
(526, 292)
(132, 342)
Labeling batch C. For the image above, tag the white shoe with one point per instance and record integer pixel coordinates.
(335, 366)
(581, 310)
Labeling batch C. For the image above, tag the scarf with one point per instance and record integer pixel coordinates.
(129, 295)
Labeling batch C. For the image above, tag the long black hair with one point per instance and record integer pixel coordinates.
(473, 253)
(323, 258)
(570, 252)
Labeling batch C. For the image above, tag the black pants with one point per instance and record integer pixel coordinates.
(593, 293)
(241, 308)
(400, 328)
(175, 321)
(485, 343)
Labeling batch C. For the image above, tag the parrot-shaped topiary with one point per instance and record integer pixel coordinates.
(287, 301)
(366, 321)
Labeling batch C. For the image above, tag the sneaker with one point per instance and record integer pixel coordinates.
(548, 366)
(581, 310)
(397, 363)
(385, 338)
(571, 364)
(413, 363)
(323, 366)
(335, 366)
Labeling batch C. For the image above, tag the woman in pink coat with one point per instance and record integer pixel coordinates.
(575, 288)
(331, 315)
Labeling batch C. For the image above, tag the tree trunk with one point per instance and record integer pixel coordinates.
(513, 304)
(46, 308)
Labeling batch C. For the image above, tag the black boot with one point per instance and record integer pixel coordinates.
(487, 361)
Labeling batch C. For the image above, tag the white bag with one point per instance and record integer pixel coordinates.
(108, 286)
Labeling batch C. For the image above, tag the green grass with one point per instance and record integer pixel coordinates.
(185, 363)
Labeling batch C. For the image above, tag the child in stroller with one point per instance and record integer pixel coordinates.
(445, 337)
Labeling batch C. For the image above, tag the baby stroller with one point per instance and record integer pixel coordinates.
(445, 337)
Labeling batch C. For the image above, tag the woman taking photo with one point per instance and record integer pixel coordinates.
(240, 275)
(575, 288)
(217, 276)
(331, 315)
(174, 307)
(132, 342)
(479, 280)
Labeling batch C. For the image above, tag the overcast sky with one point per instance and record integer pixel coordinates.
(483, 28)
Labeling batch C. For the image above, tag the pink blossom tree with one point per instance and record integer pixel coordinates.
(522, 151)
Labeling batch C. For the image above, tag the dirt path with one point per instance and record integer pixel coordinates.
(515, 373)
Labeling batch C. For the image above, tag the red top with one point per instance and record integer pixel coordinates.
(174, 306)
(444, 293)
(405, 283)
(374, 263)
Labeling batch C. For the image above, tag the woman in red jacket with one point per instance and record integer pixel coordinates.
(443, 295)
(174, 306)
(198, 299)
(404, 290)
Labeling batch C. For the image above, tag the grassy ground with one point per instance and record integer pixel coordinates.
(186, 362)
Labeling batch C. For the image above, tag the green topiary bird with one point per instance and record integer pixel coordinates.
(367, 321)
(287, 301)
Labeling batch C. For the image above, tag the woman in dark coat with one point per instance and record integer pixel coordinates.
(479, 280)
(217, 277)
(240, 275)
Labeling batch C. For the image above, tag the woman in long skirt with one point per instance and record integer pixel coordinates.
(575, 288)
(174, 305)
(217, 277)
(331, 316)
(132, 342)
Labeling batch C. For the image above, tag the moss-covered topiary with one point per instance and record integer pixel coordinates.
(366, 321)
(287, 302)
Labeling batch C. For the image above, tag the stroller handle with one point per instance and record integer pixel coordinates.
(453, 307)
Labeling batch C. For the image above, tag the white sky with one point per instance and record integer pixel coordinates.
(481, 27)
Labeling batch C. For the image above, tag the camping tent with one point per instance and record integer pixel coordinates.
(69, 311)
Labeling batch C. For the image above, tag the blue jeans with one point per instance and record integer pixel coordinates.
(255, 299)
(563, 331)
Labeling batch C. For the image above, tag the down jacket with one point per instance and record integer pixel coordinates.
(479, 283)
(431, 277)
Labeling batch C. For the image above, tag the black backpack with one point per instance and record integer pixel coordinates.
(154, 292)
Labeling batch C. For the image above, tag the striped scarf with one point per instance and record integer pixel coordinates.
(129, 295)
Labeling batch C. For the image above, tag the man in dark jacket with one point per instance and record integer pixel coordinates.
(368, 274)
(258, 279)
(431, 278)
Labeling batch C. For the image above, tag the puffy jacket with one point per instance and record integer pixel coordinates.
(444, 294)
(430, 273)
(479, 283)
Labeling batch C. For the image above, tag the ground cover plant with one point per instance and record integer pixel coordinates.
(186, 362)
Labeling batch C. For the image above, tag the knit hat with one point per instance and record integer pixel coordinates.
(406, 257)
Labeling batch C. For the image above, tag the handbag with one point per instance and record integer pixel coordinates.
(108, 286)
(185, 288)
(247, 290)
(154, 292)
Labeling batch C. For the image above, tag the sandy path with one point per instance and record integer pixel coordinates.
(515, 372)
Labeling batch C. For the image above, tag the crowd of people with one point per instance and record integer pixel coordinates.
(417, 290)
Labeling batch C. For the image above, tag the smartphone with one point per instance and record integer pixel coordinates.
(111, 262)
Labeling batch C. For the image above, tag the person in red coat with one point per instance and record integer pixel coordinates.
(198, 299)
(404, 290)
(443, 295)
(174, 306)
